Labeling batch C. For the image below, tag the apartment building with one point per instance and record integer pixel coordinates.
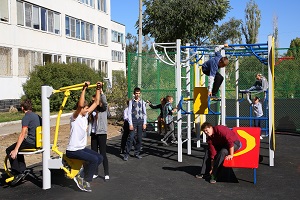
(35, 32)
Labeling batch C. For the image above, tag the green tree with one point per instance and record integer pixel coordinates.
(294, 50)
(117, 95)
(252, 22)
(131, 43)
(228, 32)
(188, 20)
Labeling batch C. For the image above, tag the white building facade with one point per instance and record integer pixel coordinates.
(35, 32)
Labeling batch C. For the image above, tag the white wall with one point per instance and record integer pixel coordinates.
(15, 37)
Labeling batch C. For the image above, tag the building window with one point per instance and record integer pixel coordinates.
(103, 67)
(4, 10)
(89, 62)
(37, 17)
(20, 11)
(102, 35)
(117, 37)
(5, 61)
(67, 22)
(117, 56)
(27, 60)
(79, 29)
(43, 19)
(102, 5)
(88, 2)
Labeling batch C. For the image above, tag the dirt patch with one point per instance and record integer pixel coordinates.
(113, 130)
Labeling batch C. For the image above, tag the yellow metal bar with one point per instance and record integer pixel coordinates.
(54, 147)
(73, 87)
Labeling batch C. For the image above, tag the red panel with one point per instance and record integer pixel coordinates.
(248, 155)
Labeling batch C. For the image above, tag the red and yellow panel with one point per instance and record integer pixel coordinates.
(248, 155)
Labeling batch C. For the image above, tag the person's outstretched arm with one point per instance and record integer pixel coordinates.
(80, 103)
(97, 97)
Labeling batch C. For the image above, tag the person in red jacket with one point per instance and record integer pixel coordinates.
(222, 143)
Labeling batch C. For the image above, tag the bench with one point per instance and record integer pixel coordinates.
(248, 155)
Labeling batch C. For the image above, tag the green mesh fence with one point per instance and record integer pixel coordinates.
(158, 80)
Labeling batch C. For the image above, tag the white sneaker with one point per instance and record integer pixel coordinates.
(164, 142)
(261, 137)
(106, 177)
(95, 176)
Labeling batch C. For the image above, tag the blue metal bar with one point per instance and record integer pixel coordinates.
(245, 45)
(254, 175)
(247, 118)
(210, 111)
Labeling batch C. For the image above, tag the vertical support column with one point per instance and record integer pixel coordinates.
(46, 92)
(237, 76)
(188, 89)
(271, 61)
(178, 96)
(223, 103)
(140, 45)
(202, 84)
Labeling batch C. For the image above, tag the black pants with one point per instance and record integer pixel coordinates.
(125, 135)
(218, 159)
(98, 143)
(18, 165)
(217, 83)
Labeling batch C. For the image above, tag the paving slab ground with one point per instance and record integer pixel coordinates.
(158, 175)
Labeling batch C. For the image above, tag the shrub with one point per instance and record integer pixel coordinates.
(117, 95)
(57, 76)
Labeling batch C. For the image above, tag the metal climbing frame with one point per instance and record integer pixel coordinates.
(263, 52)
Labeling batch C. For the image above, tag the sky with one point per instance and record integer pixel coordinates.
(127, 12)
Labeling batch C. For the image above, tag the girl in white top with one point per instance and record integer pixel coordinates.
(76, 148)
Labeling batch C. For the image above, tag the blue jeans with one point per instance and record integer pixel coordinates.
(138, 129)
(92, 161)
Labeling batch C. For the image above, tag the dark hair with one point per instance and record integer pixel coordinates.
(136, 89)
(168, 97)
(255, 98)
(26, 104)
(205, 125)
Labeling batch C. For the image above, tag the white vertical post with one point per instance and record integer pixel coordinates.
(188, 88)
(237, 76)
(197, 120)
(202, 84)
(140, 45)
(223, 103)
(178, 96)
(46, 92)
(271, 99)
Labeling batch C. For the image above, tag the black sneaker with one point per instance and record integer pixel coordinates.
(17, 178)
